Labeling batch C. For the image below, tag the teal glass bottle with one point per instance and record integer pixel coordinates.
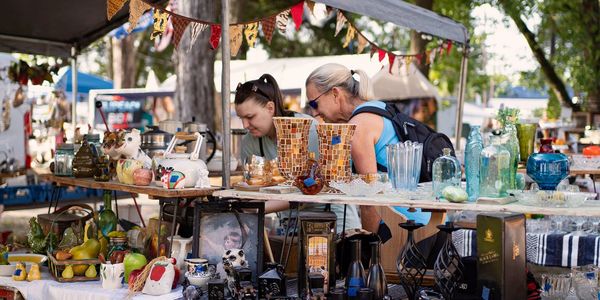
(446, 171)
(511, 143)
(494, 168)
(107, 220)
(472, 155)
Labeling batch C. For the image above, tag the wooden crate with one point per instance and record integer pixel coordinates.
(57, 266)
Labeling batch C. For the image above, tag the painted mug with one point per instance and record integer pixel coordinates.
(196, 266)
(112, 275)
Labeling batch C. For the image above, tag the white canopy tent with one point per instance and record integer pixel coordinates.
(402, 83)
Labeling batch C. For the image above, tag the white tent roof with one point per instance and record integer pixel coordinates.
(402, 83)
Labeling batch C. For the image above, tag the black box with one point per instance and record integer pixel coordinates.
(501, 256)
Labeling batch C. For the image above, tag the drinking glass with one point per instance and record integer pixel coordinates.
(404, 165)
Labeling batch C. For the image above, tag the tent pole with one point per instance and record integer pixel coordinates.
(225, 92)
(461, 95)
(74, 87)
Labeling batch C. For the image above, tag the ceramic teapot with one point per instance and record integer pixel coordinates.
(182, 170)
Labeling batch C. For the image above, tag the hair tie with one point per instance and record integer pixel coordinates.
(352, 72)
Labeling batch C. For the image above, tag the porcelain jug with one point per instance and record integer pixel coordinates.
(112, 275)
(183, 170)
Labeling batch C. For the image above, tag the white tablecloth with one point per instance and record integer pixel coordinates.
(47, 288)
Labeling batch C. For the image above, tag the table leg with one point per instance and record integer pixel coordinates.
(116, 205)
(137, 208)
(196, 230)
(173, 225)
(594, 183)
(160, 216)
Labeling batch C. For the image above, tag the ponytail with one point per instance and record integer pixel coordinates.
(263, 90)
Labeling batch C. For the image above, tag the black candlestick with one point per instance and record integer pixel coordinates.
(448, 268)
(411, 264)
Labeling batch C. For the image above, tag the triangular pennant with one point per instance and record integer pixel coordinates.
(340, 22)
(297, 11)
(268, 26)
(311, 6)
(136, 9)
(362, 43)
(432, 55)
(160, 23)
(179, 26)
(381, 54)
(329, 9)
(251, 33)
(418, 57)
(350, 33)
(196, 29)
(373, 50)
(282, 21)
(407, 61)
(215, 36)
(441, 50)
(449, 47)
(427, 57)
(113, 6)
(391, 59)
(235, 38)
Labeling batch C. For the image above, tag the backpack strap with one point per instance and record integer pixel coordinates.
(389, 114)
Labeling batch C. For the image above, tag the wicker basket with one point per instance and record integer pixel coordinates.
(62, 218)
(57, 266)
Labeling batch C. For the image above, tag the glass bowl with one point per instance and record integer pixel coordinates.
(358, 187)
(551, 198)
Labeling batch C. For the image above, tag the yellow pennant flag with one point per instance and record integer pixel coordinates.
(349, 35)
(136, 9)
(113, 6)
(160, 23)
(235, 38)
(362, 43)
(251, 33)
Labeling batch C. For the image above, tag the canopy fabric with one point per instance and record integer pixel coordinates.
(402, 83)
(85, 82)
(52, 28)
(406, 15)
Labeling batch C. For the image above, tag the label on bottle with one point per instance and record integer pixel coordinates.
(354, 286)
(308, 182)
(336, 139)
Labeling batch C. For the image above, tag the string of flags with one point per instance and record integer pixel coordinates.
(249, 31)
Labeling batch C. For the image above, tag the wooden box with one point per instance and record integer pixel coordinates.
(57, 266)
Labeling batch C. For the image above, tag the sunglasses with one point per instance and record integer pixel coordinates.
(313, 103)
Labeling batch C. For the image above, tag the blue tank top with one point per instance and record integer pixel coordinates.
(387, 137)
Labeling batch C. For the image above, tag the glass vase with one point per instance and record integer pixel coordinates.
(411, 264)
(494, 167)
(511, 143)
(526, 134)
(107, 220)
(446, 172)
(292, 145)
(334, 150)
(448, 268)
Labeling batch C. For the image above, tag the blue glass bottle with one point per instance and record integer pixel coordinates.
(472, 156)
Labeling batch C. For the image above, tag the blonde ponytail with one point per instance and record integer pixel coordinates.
(333, 75)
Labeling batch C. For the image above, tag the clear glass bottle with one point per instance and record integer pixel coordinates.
(494, 168)
(472, 155)
(511, 143)
(446, 172)
(355, 279)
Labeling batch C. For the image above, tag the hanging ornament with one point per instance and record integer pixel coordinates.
(235, 38)
(196, 29)
(381, 53)
(391, 60)
(297, 11)
(136, 9)
(350, 33)
(251, 33)
(215, 36)
(311, 6)
(340, 22)
(113, 6)
(362, 43)
(449, 47)
(268, 26)
(160, 23)
(282, 21)
(179, 26)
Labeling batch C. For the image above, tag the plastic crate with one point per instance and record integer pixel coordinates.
(20, 195)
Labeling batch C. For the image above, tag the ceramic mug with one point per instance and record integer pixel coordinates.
(196, 266)
(112, 275)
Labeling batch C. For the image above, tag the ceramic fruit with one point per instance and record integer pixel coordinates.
(63, 255)
(68, 272)
(126, 168)
(88, 250)
(133, 261)
(91, 272)
(34, 273)
(142, 177)
(183, 170)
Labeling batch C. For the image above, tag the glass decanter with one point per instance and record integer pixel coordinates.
(511, 143)
(494, 168)
(472, 156)
(446, 172)
(107, 220)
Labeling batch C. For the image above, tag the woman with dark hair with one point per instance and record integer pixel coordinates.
(256, 103)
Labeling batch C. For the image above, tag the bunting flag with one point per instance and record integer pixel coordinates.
(215, 36)
(432, 55)
(373, 50)
(449, 47)
(340, 22)
(311, 6)
(419, 58)
(427, 57)
(251, 33)
(362, 43)
(282, 20)
(268, 26)
(381, 53)
(197, 28)
(349, 36)
(235, 38)
(113, 6)
(136, 9)
(160, 23)
(297, 11)
(391, 59)
(407, 61)
(179, 26)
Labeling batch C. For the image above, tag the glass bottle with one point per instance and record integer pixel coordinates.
(472, 154)
(107, 220)
(546, 146)
(446, 172)
(63, 160)
(511, 143)
(494, 167)
(376, 277)
(355, 279)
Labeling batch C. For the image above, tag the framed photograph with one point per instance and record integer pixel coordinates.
(225, 228)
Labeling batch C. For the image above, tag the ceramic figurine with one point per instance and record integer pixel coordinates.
(126, 168)
(20, 272)
(128, 146)
(182, 170)
(109, 144)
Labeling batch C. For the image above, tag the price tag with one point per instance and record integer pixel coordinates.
(336, 139)
(308, 182)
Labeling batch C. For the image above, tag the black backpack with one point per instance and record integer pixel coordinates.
(409, 129)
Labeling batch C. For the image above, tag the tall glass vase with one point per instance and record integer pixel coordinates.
(334, 149)
(472, 156)
(448, 268)
(511, 143)
(292, 146)
(411, 264)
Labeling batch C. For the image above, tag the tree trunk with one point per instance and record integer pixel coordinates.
(124, 65)
(417, 44)
(591, 19)
(554, 81)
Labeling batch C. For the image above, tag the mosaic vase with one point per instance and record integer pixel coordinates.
(292, 145)
(334, 147)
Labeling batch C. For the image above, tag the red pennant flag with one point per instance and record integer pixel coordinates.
(179, 27)
(391, 59)
(268, 26)
(441, 50)
(297, 11)
(419, 58)
(449, 47)
(215, 36)
(373, 50)
(381, 54)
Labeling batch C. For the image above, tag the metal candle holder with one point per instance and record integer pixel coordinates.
(448, 267)
(411, 264)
